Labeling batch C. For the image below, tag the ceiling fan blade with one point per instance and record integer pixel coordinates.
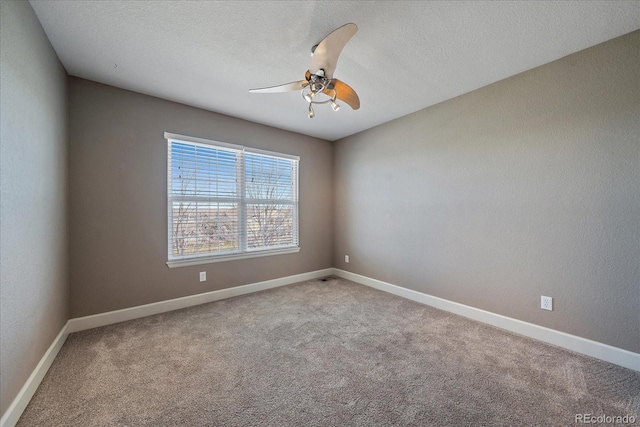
(345, 93)
(326, 53)
(287, 87)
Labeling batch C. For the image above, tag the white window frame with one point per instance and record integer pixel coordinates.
(243, 252)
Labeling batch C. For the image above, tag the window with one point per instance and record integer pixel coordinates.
(227, 201)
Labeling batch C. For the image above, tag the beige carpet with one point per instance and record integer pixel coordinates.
(321, 353)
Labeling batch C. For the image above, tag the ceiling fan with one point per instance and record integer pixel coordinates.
(319, 86)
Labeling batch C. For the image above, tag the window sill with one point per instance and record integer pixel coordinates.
(246, 255)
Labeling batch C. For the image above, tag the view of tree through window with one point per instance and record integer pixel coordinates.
(268, 179)
(225, 201)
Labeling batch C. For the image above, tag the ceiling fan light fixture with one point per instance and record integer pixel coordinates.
(309, 96)
(319, 86)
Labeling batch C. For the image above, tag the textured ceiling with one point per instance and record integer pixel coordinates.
(405, 56)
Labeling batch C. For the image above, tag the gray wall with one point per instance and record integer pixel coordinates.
(527, 187)
(118, 208)
(33, 202)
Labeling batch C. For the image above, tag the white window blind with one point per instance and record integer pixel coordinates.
(228, 201)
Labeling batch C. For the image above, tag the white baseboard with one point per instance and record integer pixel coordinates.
(14, 411)
(595, 349)
(584, 346)
(103, 319)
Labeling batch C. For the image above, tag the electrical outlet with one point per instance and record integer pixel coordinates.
(346, 258)
(546, 303)
(203, 276)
